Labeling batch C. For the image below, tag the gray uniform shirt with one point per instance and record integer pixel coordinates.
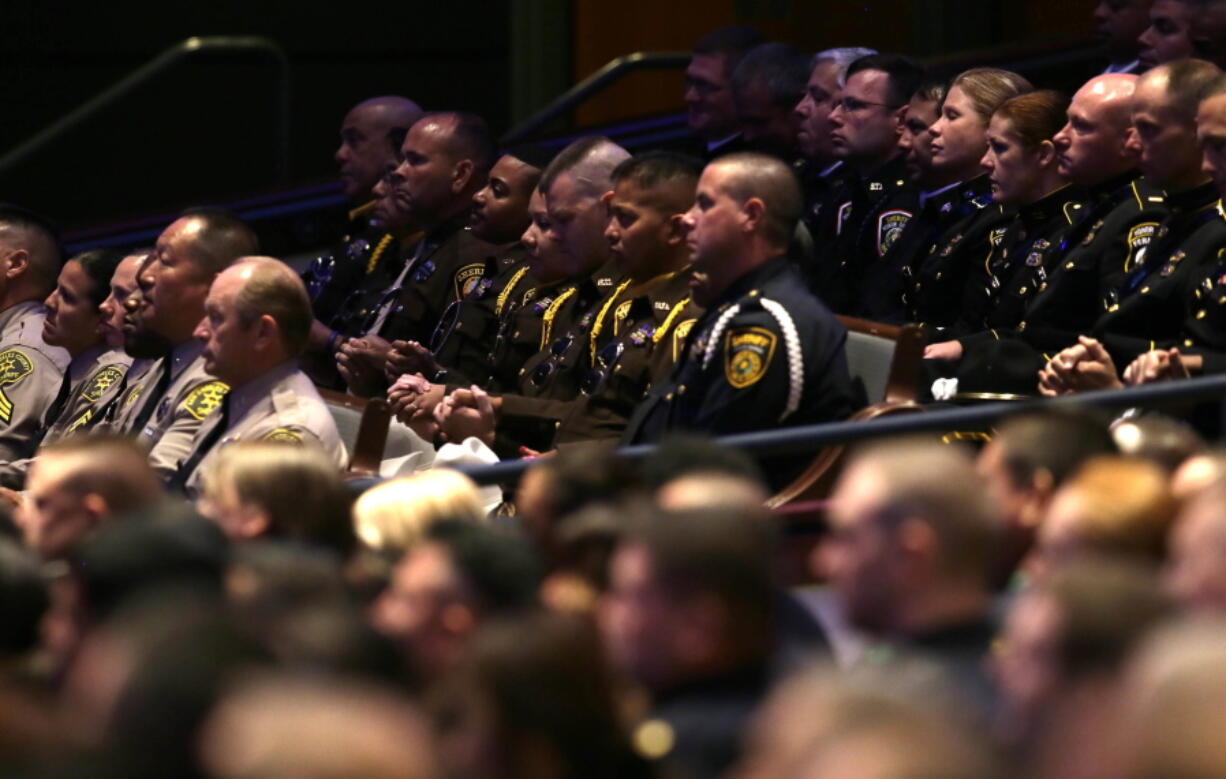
(281, 405)
(30, 375)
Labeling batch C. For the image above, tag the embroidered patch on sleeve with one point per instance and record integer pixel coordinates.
(747, 355)
(14, 366)
(467, 278)
(889, 227)
(284, 435)
(1138, 240)
(102, 381)
(205, 399)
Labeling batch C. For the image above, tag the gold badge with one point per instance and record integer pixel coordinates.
(680, 333)
(283, 435)
(203, 400)
(747, 355)
(467, 278)
(14, 366)
(102, 381)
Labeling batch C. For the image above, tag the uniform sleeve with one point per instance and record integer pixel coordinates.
(748, 379)
(29, 383)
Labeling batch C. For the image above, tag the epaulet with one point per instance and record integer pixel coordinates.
(1070, 210)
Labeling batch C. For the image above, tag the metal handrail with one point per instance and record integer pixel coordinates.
(145, 73)
(611, 72)
(808, 439)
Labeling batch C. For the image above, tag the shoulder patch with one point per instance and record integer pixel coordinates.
(747, 355)
(467, 278)
(889, 226)
(14, 366)
(203, 400)
(102, 381)
(283, 435)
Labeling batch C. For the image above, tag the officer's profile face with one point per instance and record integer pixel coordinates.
(708, 96)
(424, 182)
(1089, 146)
(1170, 154)
(174, 286)
(858, 557)
(72, 318)
(959, 135)
(227, 339)
(639, 231)
(364, 153)
(916, 140)
(500, 208)
(544, 259)
(866, 127)
(712, 227)
(114, 308)
(1119, 23)
(813, 136)
(1211, 133)
(576, 225)
(765, 125)
(1169, 35)
(1014, 170)
(388, 212)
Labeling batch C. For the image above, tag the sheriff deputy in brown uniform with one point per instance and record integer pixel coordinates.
(633, 336)
(445, 160)
(459, 346)
(256, 324)
(566, 252)
(166, 404)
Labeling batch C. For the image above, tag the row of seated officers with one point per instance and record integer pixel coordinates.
(534, 303)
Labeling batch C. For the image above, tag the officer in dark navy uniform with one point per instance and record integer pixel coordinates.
(872, 209)
(963, 222)
(766, 87)
(446, 159)
(710, 107)
(766, 353)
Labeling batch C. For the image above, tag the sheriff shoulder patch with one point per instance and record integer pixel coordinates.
(747, 355)
(205, 399)
(283, 435)
(889, 226)
(102, 381)
(14, 366)
(467, 278)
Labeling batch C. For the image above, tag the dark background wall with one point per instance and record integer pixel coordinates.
(207, 131)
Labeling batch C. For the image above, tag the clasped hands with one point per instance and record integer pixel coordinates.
(1088, 366)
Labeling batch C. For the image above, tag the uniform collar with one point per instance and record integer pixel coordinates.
(829, 170)
(1048, 207)
(85, 361)
(713, 146)
(17, 311)
(1193, 199)
(752, 280)
(245, 398)
(891, 174)
(1116, 188)
(946, 194)
(184, 355)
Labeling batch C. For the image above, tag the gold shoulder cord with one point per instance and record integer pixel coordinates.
(599, 323)
(669, 321)
(380, 248)
(508, 289)
(551, 313)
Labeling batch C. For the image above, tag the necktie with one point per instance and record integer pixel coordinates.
(150, 403)
(178, 482)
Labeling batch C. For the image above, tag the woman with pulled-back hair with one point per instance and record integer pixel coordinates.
(959, 141)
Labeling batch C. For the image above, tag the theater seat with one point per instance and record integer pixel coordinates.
(885, 360)
(363, 425)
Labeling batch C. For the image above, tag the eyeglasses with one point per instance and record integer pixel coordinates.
(606, 358)
(852, 105)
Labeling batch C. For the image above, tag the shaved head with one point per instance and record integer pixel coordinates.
(1095, 146)
(770, 180)
(589, 163)
(25, 231)
(371, 135)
